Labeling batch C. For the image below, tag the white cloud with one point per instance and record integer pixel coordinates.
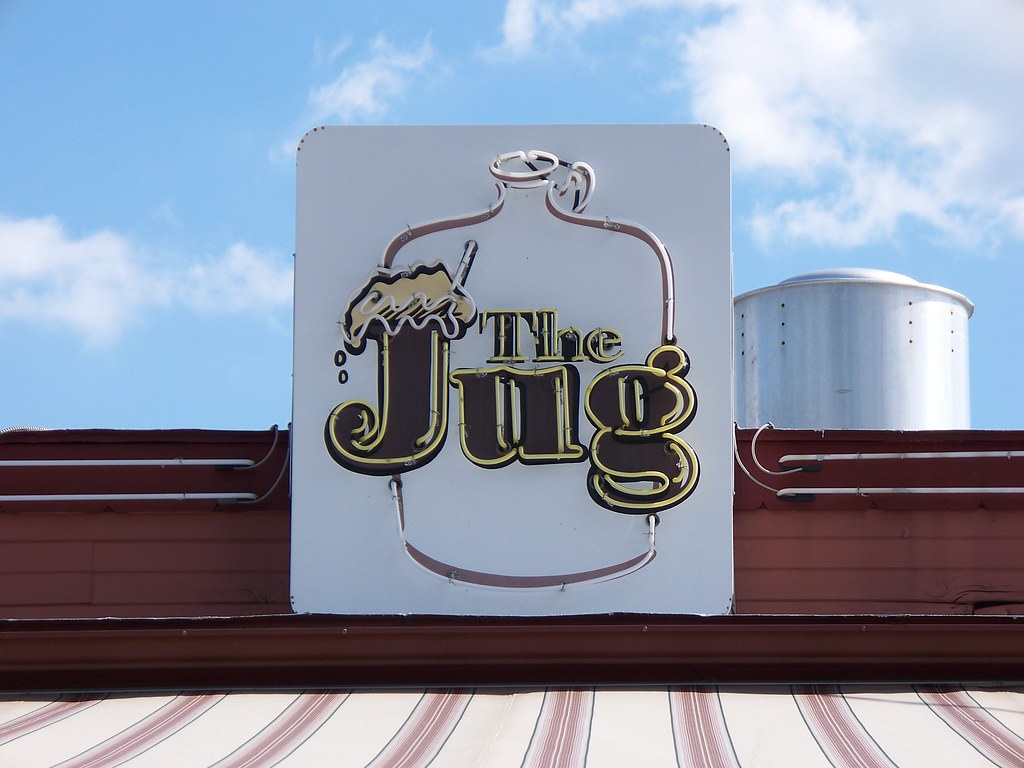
(98, 285)
(363, 91)
(242, 279)
(1013, 213)
(519, 26)
(326, 56)
(528, 22)
(872, 113)
(851, 119)
(366, 90)
(93, 285)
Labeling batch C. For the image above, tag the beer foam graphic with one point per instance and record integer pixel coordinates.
(414, 297)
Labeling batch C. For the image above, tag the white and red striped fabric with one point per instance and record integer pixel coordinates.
(701, 726)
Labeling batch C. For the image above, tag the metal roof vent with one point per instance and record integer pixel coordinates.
(852, 349)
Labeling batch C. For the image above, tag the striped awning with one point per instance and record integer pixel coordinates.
(667, 726)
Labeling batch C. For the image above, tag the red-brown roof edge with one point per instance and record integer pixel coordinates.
(322, 651)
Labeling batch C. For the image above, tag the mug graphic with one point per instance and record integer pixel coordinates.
(521, 393)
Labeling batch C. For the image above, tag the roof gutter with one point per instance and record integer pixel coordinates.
(328, 651)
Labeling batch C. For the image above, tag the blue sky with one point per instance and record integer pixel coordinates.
(147, 168)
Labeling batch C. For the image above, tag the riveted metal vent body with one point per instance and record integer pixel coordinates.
(852, 349)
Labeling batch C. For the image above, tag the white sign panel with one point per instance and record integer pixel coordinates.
(513, 389)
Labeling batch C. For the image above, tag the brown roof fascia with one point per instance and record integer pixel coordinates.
(323, 651)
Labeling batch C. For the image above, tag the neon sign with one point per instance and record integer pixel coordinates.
(510, 389)
(638, 463)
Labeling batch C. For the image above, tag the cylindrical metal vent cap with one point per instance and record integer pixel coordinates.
(852, 349)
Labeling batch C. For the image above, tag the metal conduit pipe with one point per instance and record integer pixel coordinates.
(794, 458)
(219, 463)
(808, 494)
(226, 497)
